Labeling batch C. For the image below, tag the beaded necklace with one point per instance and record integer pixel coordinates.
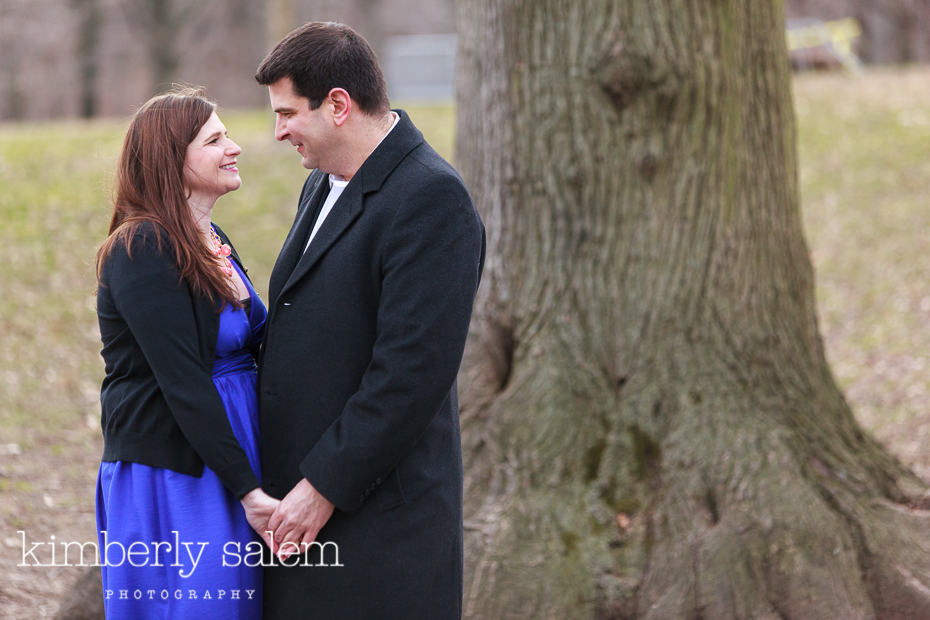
(222, 251)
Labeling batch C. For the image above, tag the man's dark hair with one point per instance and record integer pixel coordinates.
(320, 56)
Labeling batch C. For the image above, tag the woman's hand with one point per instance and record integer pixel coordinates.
(259, 506)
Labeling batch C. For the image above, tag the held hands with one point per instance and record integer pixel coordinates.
(259, 506)
(299, 518)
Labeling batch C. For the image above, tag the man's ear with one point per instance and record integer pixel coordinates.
(341, 104)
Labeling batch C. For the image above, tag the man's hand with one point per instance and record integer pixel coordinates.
(259, 506)
(299, 518)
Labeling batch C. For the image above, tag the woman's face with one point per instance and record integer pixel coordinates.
(210, 166)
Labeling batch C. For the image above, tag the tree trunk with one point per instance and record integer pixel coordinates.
(12, 94)
(280, 20)
(161, 24)
(90, 21)
(650, 426)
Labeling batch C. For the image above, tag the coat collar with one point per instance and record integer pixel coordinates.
(382, 161)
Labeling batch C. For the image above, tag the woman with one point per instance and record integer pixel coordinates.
(178, 486)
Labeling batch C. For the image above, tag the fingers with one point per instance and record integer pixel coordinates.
(290, 537)
(274, 522)
(265, 535)
(295, 543)
(283, 527)
(297, 520)
(258, 509)
(286, 550)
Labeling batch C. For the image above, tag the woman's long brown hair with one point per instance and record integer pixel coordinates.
(150, 188)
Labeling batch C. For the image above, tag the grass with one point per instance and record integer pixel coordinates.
(865, 181)
(865, 178)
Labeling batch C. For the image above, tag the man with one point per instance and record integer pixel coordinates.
(369, 305)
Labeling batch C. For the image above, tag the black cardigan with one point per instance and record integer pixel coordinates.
(159, 405)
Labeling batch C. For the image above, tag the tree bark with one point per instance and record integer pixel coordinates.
(651, 429)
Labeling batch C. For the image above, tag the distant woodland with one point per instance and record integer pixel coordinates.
(87, 58)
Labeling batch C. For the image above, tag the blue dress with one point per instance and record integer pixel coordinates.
(176, 546)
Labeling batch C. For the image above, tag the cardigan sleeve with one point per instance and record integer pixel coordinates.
(160, 313)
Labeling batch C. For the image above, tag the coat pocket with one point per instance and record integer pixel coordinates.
(391, 493)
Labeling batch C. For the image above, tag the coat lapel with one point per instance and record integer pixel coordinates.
(297, 237)
(343, 214)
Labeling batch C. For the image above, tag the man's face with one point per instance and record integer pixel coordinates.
(311, 131)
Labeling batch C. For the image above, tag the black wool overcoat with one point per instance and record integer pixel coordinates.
(364, 338)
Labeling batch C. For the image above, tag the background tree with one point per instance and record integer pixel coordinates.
(89, 23)
(160, 24)
(11, 102)
(651, 428)
(280, 18)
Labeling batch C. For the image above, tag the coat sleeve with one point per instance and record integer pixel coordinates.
(159, 311)
(431, 264)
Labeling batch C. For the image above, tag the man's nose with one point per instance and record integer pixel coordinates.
(280, 129)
